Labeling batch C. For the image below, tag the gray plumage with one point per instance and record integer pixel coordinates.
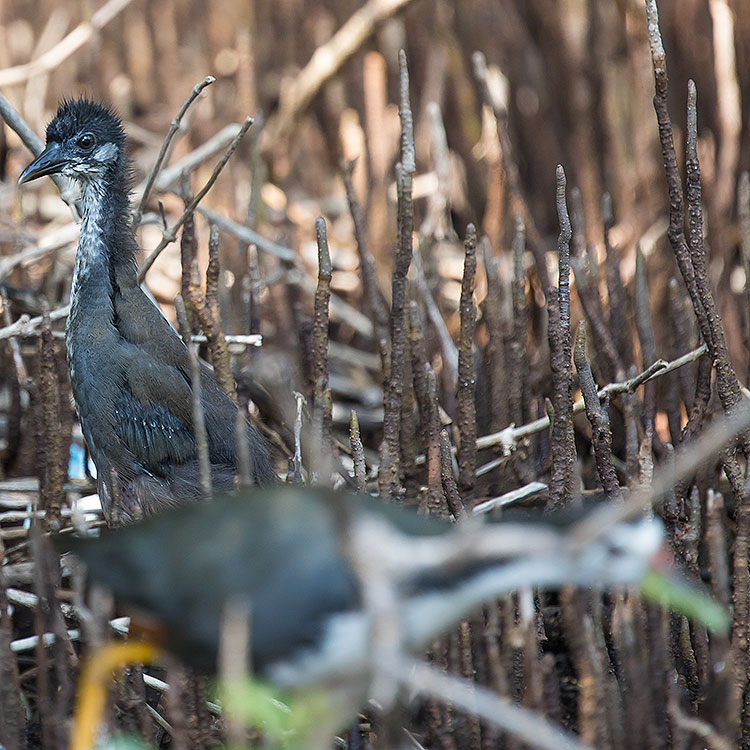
(129, 369)
(281, 551)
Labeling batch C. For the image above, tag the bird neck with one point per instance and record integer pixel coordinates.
(105, 259)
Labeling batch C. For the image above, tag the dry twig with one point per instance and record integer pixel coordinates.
(170, 234)
(388, 475)
(199, 423)
(466, 415)
(65, 48)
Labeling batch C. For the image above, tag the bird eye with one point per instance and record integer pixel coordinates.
(85, 142)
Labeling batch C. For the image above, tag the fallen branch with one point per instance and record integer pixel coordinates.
(326, 61)
(65, 47)
(512, 434)
(509, 497)
(529, 726)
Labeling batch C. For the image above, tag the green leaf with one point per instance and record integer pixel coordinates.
(680, 596)
(283, 720)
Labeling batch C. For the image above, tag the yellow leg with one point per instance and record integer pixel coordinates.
(93, 685)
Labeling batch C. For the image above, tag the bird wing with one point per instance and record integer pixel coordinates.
(157, 371)
(156, 420)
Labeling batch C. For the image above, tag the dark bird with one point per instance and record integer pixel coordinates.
(287, 554)
(130, 371)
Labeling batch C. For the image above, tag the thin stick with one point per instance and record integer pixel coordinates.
(562, 481)
(238, 340)
(388, 476)
(509, 497)
(234, 659)
(466, 414)
(510, 435)
(687, 461)
(51, 493)
(374, 303)
(36, 145)
(618, 308)
(297, 460)
(248, 235)
(32, 253)
(188, 254)
(517, 356)
(358, 453)
(322, 401)
(15, 348)
(728, 385)
(170, 235)
(454, 500)
(645, 329)
(169, 176)
(199, 424)
(162, 687)
(174, 126)
(529, 726)
(728, 100)
(511, 173)
(26, 326)
(65, 48)
(743, 219)
(449, 351)
(326, 61)
(598, 416)
(157, 717)
(244, 459)
(206, 311)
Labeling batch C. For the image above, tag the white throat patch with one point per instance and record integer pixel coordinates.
(91, 248)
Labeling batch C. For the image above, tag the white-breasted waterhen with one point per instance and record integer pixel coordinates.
(290, 553)
(130, 371)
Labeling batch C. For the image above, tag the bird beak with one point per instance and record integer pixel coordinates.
(49, 161)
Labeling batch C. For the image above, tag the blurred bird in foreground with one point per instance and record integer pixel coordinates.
(129, 370)
(325, 575)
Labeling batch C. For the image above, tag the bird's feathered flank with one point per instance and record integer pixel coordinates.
(73, 114)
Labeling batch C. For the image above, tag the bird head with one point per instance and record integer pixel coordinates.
(85, 142)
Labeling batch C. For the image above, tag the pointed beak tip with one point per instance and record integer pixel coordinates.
(47, 163)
